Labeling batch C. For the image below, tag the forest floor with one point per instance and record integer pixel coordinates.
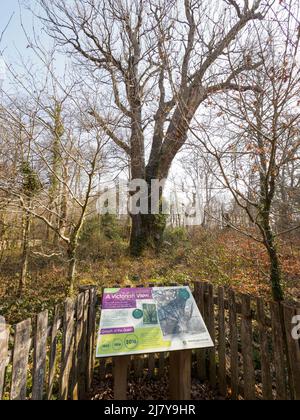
(222, 257)
(149, 389)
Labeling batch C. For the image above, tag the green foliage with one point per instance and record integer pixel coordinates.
(101, 236)
(160, 221)
(57, 117)
(58, 132)
(31, 184)
(90, 229)
(176, 236)
(103, 227)
(172, 277)
(31, 303)
(110, 227)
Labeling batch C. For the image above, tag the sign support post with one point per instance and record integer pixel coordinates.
(180, 375)
(121, 364)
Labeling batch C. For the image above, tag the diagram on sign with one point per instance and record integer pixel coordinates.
(136, 321)
(177, 312)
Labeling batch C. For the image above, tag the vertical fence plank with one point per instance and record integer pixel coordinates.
(91, 330)
(151, 365)
(200, 354)
(267, 386)
(206, 315)
(298, 350)
(39, 356)
(161, 365)
(278, 352)
(53, 352)
(20, 360)
(82, 368)
(293, 353)
(138, 365)
(67, 348)
(234, 350)
(298, 356)
(102, 369)
(247, 348)
(79, 343)
(4, 337)
(222, 343)
(212, 331)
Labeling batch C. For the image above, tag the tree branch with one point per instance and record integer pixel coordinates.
(102, 123)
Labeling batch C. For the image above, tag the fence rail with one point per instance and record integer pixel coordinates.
(255, 356)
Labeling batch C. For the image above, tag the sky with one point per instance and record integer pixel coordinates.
(14, 42)
(14, 37)
(14, 45)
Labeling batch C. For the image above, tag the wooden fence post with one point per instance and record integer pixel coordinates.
(82, 368)
(200, 354)
(151, 365)
(67, 349)
(264, 352)
(234, 350)
(4, 337)
(293, 352)
(89, 325)
(20, 360)
(39, 356)
(79, 344)
(91, 331)
(222, 343)
(161, 365)
(53, 352)
(247, 348)
(278, 352)
(138, 366)
(102, 369)
(212, 330)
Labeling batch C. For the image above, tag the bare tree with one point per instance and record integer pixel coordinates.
(254, 137)
(72, 168)
(158, 61)
(200, 168)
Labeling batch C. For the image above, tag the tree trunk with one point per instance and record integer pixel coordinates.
(137, 236)
(25, 253)
(275, 277)
(72, 260)
(147, 229)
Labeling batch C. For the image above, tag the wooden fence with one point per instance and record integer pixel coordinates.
(255, 356)
(40, 360)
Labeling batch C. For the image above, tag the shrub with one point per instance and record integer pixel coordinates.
(101, 237)
(176, 236)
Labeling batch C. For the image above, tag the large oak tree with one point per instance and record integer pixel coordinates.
(157, 61)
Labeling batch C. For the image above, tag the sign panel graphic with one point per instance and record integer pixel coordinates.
(150, 320)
